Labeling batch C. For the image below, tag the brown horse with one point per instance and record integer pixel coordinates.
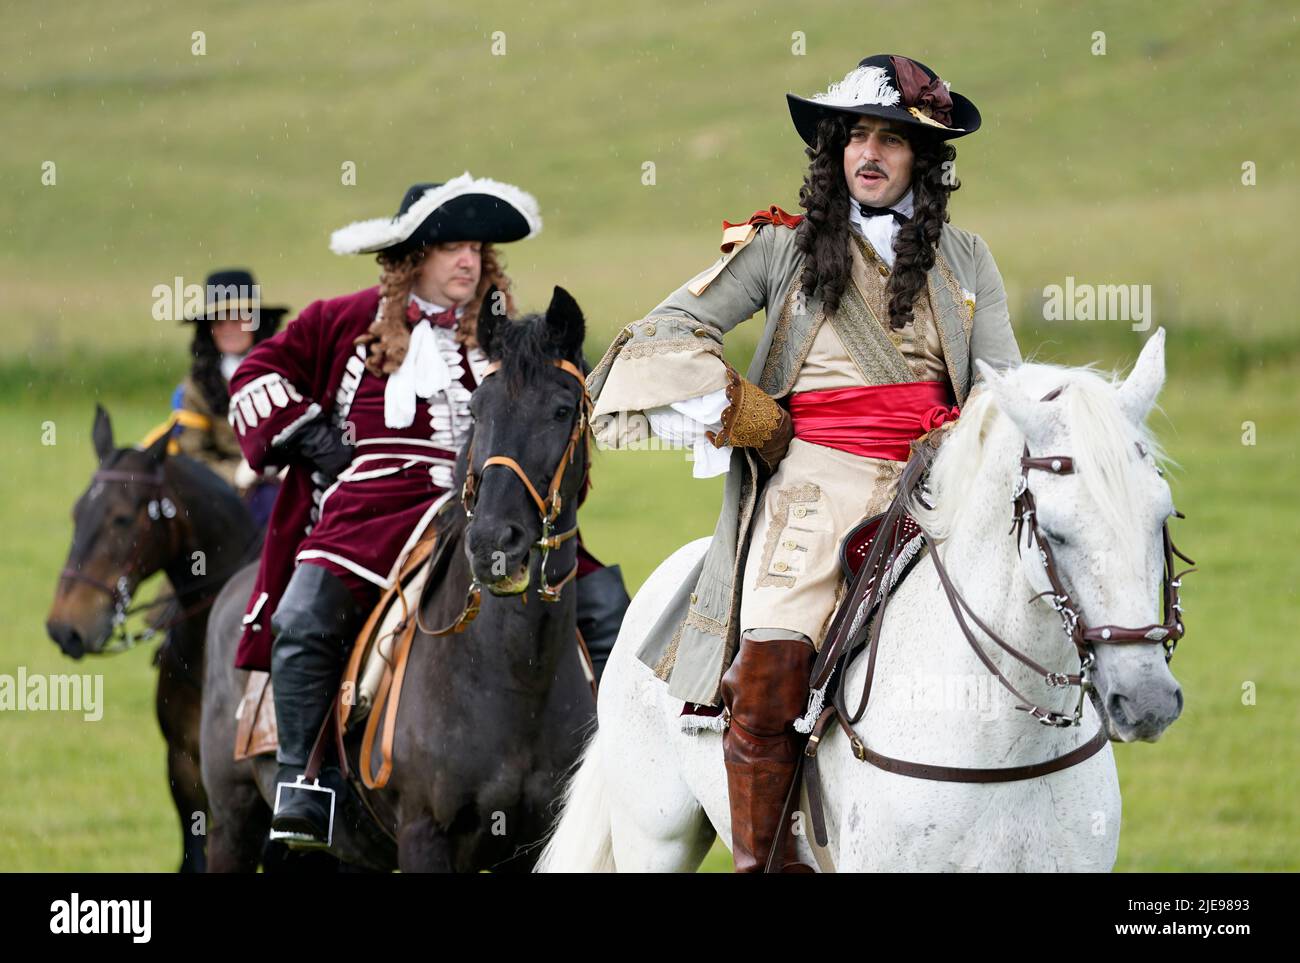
(492, 717)
(144, 512)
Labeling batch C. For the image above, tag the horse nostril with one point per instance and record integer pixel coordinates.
(512, 538)
(67, 638)
(1115, 707)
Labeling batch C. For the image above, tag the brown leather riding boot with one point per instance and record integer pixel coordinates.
(765, 691)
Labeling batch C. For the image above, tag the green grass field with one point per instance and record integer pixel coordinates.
(1123, 168)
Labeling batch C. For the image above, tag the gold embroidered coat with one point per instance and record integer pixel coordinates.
(675, 353)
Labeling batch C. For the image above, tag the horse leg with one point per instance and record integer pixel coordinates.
(237, 833)
(190, 801)
(177, 704)
(423, 846)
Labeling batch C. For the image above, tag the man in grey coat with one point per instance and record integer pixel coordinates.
(876, 311)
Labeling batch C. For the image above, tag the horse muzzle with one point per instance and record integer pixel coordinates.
(67, 638)
(1145, 717)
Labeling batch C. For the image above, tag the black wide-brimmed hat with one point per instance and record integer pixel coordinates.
(465, 208)
(234, 293)
(893, 87)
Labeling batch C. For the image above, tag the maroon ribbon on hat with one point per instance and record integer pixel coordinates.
(928, 96)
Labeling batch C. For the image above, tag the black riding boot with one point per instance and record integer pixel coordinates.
(315, 623)
(602, 601)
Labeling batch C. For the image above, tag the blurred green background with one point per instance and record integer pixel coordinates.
(1122, 168)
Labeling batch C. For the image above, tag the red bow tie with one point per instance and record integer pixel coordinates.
(441, 319)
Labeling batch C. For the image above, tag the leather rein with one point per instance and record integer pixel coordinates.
(550, 506)
(1076, 629)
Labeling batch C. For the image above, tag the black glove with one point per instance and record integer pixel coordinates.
(320, 445)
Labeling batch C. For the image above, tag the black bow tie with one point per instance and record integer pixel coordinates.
(880, 211)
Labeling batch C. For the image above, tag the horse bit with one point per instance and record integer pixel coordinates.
(548, 508)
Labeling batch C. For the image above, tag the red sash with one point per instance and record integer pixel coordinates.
(876, 421)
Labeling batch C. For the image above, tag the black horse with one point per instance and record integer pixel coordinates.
(144, 512)
(491, 718)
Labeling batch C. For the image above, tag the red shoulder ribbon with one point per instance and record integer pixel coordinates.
(773, 215)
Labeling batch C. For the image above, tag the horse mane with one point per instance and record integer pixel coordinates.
(203, 485)
(1101, 434)
(525, 347)
(208, 485)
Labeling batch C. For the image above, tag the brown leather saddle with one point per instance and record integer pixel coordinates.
(255, 730)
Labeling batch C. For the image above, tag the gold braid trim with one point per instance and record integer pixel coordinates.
(651, 349)
(785, 497)
(752, 417)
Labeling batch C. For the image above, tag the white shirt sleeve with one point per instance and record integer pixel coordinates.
(685, 423)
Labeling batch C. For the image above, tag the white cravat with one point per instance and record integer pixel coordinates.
(423, 372)
(880, 229)
(229, 362)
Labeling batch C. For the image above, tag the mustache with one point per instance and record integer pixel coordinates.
(871, 167)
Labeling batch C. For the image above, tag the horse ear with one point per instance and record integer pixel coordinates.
(567, 325)
(157, 450)
(1138, 392)
(491, 312)
(1029, 416)
(101, 433)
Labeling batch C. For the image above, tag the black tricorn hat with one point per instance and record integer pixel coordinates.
(234, 293)
(897, 88)
(465, 208)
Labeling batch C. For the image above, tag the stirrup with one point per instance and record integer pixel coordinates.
(304, 840)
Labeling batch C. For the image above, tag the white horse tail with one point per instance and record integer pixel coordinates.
(581, 841)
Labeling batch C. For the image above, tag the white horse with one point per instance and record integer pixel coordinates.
(649, 796)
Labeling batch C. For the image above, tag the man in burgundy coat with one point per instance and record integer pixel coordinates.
(366, 398)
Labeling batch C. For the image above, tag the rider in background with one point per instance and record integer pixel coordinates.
(232, 322)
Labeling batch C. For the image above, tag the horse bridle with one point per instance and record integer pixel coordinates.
(1080, 634)
(161, 509)
(1167, 632)
(550, 506)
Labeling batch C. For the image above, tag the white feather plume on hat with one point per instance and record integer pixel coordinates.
(376, 234)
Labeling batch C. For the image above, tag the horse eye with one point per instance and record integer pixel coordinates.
(563, 413)
(122, 521)
(1053, 537)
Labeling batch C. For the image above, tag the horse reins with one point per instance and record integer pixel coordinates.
(550, 506)
(1024, 515)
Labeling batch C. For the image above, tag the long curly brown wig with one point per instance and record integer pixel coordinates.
(389, 335)
(823, 233)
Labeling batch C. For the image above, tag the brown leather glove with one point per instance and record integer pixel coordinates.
(754, 420)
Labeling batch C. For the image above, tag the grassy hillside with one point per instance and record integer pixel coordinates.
(1116, 169)
(1122, 168)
